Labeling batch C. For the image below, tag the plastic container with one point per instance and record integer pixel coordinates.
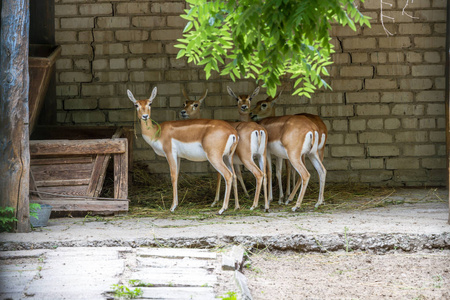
(43, 215)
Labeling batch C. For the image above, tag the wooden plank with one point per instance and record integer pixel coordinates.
(61, 172)
(14, 129)
(121, 175)
(98, 175)
(84, 181)
(85, 205)
(76, 147)
(62, 160)
(76, 190)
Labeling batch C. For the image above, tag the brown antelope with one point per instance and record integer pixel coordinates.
(191, 108)
(252, 144)
(311, 138)
(195, 140)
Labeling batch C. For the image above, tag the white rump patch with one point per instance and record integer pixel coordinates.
(190, 151)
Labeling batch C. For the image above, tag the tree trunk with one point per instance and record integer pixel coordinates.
(14, 144)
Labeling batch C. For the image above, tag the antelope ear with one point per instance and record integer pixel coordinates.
(255, 92)
(130, 95)
(231, 93)
(153, 96)
(203, 98)
(185, 94)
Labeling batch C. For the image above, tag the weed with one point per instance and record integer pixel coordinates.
(347, 246)
(229, 296)
(437, 281)
(139, 283)
(7, 219)
(124, 292)
(34, 208)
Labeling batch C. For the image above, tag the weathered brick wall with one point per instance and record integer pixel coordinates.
(385, 114)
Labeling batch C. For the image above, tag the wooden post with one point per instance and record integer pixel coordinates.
(447, 101)
(14, 149)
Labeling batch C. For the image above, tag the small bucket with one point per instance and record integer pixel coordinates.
(43, 215)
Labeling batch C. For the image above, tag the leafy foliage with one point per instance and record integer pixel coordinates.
(266, 40)
(7, 219)
(34, 208)
(124, 292)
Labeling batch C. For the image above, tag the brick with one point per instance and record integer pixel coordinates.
(337, 164)
(419, 150)
(434, 163)
(168, 7)
(100, 64)
(131, 35)
(64, 64)
(356, 71)
(393, 70)
(429, 42)
(346, 85)
(390, 97)
(337, 111)
(230, 114)
(367, 163)
(133, 8)
(383, 151)
(161, 115)
(396, 57)
(372, 110)
(97, 90)
(371, 4)
(439, 83)
(181, 63)
(427, 123)
(114, 103)
(408, 110)
(392, 123)
(85, 36)
(376, 176)
(96, 9)
(335, 139)
(347, 151)
(340, 31)
(297, 110)
(181, 75)
(395, 42)
(111, 76)
(402, 163)
(65, 10)
(414, 57)
(358, 43)
(432, 57)
(351, 139)
(117, 63)
(113, 22)
(75, 77)
(340, 125)
(65, 36)
(121, 116)
(77, 23)
(67, 90)
(440, 28)
(135, 63)
(176, 21)
(378, 57)
(110, 49)
(166, 34)
(322, 98)
(103, 36)
(375, 124)
(145, 76)
(437, 136)
(148, 21)
(432, 15)
(380, 84)
(415, 29)
(379, 30)
(82, 64)
(88, 117)
(357, 125)
(410, 176)
(416, 84)
(343, 176)
(375, 137)
(440, 3)
(411, 136)
(80, 104)
(437, 109)
(428, 70)
(145, 48)
(359, 58)
(79, 49)
(409, 123)
(169, 88)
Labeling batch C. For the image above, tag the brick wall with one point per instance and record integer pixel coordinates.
(385, 114)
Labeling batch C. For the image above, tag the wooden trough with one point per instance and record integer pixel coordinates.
(68, 167)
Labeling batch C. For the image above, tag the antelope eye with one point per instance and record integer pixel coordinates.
(136, 105)
(195, 105)
(184, 104)
(264, 105)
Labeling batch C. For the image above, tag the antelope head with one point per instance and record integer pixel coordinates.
(264, 108)
(143, 107)
(243, 101)
(191, 108)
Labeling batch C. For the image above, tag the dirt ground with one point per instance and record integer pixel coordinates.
(342, 275)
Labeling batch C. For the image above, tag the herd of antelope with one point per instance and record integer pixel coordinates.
(258, 136)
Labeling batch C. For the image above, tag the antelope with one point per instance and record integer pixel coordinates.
(309, 139)
(191, 108)
(252, 144)
(194, 140)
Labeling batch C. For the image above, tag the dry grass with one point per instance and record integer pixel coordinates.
(151, 196)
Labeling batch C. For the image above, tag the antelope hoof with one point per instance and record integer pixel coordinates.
(252, 208)
(221, 211)
(214, 204)
(287, 202)
(172, 209)
(294, 208)
(237, 208)
(280, 201)
(266, 210)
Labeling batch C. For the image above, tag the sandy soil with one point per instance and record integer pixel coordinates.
(341, 275)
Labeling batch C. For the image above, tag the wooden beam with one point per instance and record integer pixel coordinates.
(76, 147)
(14, 147)
(447, 101)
